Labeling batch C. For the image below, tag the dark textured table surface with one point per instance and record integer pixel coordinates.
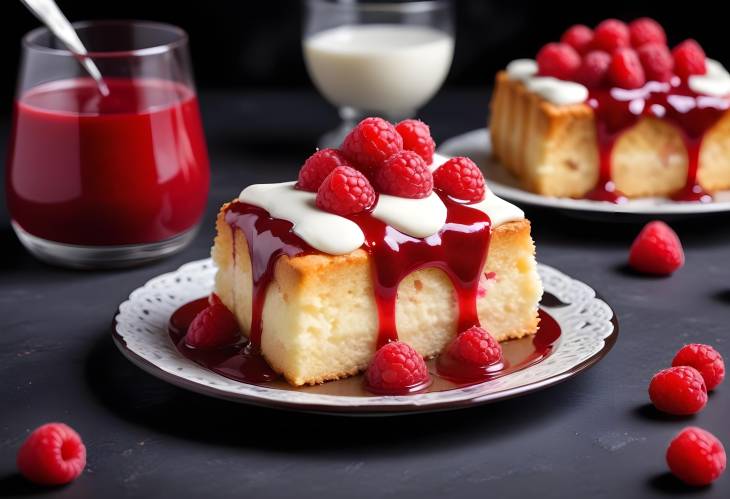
(593, 436)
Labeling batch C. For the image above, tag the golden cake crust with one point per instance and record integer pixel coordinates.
(552, 149)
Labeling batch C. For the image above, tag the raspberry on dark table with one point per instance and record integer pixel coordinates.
(705, 359)
(696, 457)
(678, 390)
(52, 455)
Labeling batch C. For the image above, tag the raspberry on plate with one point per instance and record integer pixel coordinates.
(558, 60)
(370, 143)
(404, 174)
(657, 61)
(345, 191)
(705, 359)
(461, 179)
(316, 168)
(593, 70)
(396, 369)
(578, 36)
(646, 30)
(214, 326)
(475, 346)
(610, 35)
(626, 70)
(656, 250)
(52, 455)
(689, 59)
(417, 138)
(696, 457)
(678, 390)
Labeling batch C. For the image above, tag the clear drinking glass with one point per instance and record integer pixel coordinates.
(377, 58)
(107, 180)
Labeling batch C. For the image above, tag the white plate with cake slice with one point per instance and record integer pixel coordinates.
(476, 144)
(577, 330)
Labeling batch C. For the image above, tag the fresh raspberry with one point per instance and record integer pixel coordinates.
(678, 390)
(460, 178)
(52, 455)
(345, 191)
(626, 70)
(370, 143)
(476, 347)
(558, 60)
(405, 174)
(689, 59)
(417, 138)
(610, 35)
(705, 359)
(396, 368)
(656, 250)
(578, 36)
(696, 457)
(318, 166)
(646, 30)
(214, 326)
(593, 70)
(657, 61)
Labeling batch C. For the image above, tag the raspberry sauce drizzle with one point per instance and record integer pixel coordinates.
(237, 363)
(459, 249)
(616, 110)
(267, 238)
(240, 361)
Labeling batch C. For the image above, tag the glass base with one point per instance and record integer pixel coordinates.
(101, 257)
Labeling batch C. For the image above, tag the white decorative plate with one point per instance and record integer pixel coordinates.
(477, 145)
(589, 329)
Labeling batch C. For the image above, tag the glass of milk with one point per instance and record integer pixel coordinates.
(377, 58)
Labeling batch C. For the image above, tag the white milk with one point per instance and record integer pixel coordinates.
(390, 68)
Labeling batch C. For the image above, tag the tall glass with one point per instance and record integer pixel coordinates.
(386, 58)
(107, 180)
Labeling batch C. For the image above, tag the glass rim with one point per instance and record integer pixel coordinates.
(30, 42)
(398, 7)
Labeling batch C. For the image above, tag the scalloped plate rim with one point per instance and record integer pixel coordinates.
(407, 404)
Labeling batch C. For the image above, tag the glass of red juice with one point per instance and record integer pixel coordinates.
(111, 180)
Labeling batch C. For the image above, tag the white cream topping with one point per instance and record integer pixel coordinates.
(324, 231)
(558, 92)
(522, 69)
(498, 210)
(336, 235)
(716, 82)
(415, 217)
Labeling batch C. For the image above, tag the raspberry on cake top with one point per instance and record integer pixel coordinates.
(612, 113)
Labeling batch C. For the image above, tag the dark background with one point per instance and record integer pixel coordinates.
(254, 44)
(593, 437)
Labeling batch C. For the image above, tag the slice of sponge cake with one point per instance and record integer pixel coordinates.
(320, 320)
